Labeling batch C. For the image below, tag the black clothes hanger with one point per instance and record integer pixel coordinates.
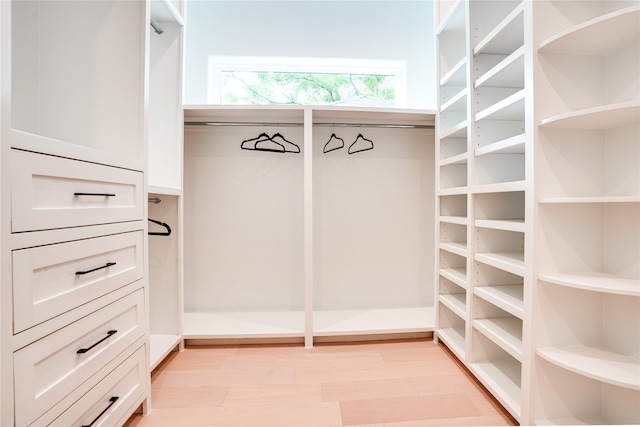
(252, 144)
(289, 147)
(333, 139)
(367, 144)
(157, 233)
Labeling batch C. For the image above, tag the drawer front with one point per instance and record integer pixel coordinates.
(50, 192)
(111, 399)
(52, 367)
(50, 280)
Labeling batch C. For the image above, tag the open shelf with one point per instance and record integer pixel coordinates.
(502, 224)
(505, 37)
(602, 117)
(509, 72)
(510, 108)
(506, 332)
(453, 338)
(373, 321)
(570, 398)
(456, 275)
(456, 303)
(455, 248)
(512, 145)
(512, 262)
(590, 200)
(500, 187)
(160, 346)
(457, 76)
(452, 219)
(498, 371)
(457, 130)
(599, 364)
(595, 281)
(266, 324)
(459, 159)
(621, 27)
(507, 297)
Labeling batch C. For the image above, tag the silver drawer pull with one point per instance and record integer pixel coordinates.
(112, 401)
(109, 264)
(109, 334)
(95, 194)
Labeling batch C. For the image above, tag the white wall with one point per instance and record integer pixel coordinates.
(389, 30)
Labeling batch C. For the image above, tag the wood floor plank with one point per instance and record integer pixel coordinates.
(400, 409)
(188, 397)
(370, 389)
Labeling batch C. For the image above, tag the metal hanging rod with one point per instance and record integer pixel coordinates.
(156, 28)
(320, 124)
(155, 200)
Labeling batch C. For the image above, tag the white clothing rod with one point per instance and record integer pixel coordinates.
(355, 125)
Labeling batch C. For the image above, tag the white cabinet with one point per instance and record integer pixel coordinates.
(313, 242)
(547, 190)
(73, 315)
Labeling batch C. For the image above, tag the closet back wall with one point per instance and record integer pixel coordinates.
(382, 30)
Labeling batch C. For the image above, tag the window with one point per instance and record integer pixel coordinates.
(306, 81)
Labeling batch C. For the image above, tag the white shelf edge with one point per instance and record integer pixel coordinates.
(505, 104)
(500, 187)
(595, 363)
(458, 159)
(594, 281)
(457, 98)
(502, 385)
(168, 191)
(503, 332)
(271, 324)
(601, 117)
(608, 24)
(450, 16)
(455, 303)
(455, 248)
(499, 29)
(518, 54)
(517, 225)
(513, 145)
(373, 321)
(512, 262)
(455, 131)
(593, 199)
(574, 421)
(453, 191)
(160, 346)
(451, 219)
(505, 300)
(456, 68)
(455, 275)
(453, 338)
(163, 11)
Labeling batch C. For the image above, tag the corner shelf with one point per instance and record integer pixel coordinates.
(596, 363)
(595, 281)
(602, 117)
(620, 27)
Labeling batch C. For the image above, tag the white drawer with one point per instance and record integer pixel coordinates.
(50, 280)
(50, 192)
(111, 399)
(52, 367)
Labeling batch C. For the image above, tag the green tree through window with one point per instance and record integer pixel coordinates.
(253, 87)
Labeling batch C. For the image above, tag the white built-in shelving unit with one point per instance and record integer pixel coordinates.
(550, 321)
(587, 308)
(164, 181)
(311, 244)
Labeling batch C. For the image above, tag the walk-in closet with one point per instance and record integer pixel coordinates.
(465, 251)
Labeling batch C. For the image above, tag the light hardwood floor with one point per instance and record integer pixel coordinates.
(391, 383)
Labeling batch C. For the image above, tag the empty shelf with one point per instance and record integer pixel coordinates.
(595, 281)
(513, 262)
(243, 324)
(372, 321)
(596, 363)
(454, 339)
(507, 297)
(456, 303)
(456, 275)
(506, 332)
(602, 117)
